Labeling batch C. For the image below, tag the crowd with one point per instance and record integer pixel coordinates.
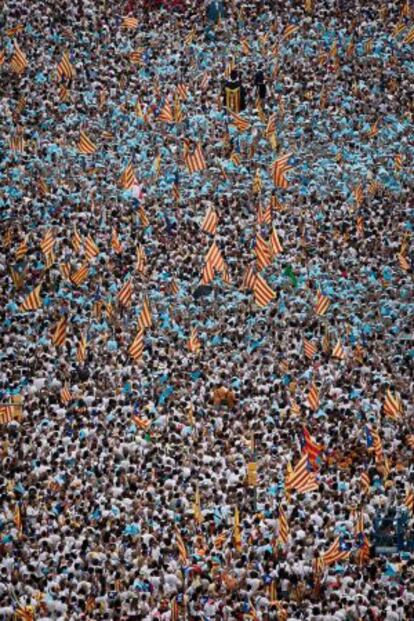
(206, 373)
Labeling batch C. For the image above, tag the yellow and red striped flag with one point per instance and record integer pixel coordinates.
(393, 406)
(210, 221)
(249, 278)
(263, 294)
(17, 143)
(8, 237)
(409, 37)
(194, 344)
(313, 399)
(299, 478)
(47, 242)
(130, 23)
(182, 91)
(18, 61)
(338, 351)
(373, 130)
(80, 275)
(141, 423)
(262, 252)
(403, 262)
(275, 244)
(145, 318)
(32, 301)
(214, 257)
(335, 553)
(398, 161)
(365, 482)
(409, 500)
(309, 349)
(127, 179)
(17, 278)
(85, 144)
(189, 38)
(91, 249)
(283, 525)
(115, 242)
(178, 113)
(271, 125)
(136, 348)
(65, 69)
(15, 30)
(2, 57)
(279, 168)
(65, 270)
(174, 610)
(208, 273)
(322, 304)
(236, 530)
(21, 250)
(257, 182)
(289, 31)
(182, 551)
(141, 260)
(125, 294)
(81, 351)
(6, 414)
(59, 334)
(76, 240)
(135, 57)
(166, 115)
(358, 194)
(239, 122)
(195, 162)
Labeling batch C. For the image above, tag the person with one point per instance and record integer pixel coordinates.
(234, 93)
(260, 85)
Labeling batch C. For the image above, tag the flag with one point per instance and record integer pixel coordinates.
(358, 194)
(189, 38)
(393, 406)
(313, 397)
(6, 414)
(138, 110)
(135, 57)
(8, 236)
(409, 500)
(15, 30)
(21, 250)
(300, 478)
(2, 57)
(136, 348)
(365, 483)
(410, 441)
(257, 182)
(80, 275)
(249, 278)
(289, 31)
(409, 37)
(65, 69)
(205, 79)
(145, 319)
(262, 252)
(398, 162)
(47, 242)
(128, 179)
(406, 9)
(283, 527)
(309, 349)
(195, 162)
(262, 292)
(17, 278)
(182, 551)
(125, 293)
(245, 46)
(143, 217)
(335, 553)
(32, 301)
(376, 444)
(239, 123)
(178, 114)
(174, 610)
(373, 130)
(59, 334)
(18, 62)
(322, 304)
(91, 249)
(310, 447)
(115, 242)
(214, 257)
(194, 344)
(271, 125)
(210, 221)
(275, 244)
(130, 23)
(338, 351)
(141, 260)
(17, 519)
(197, 507)
(85, 144)
(17, 143)
(236, 530)
(403, 262)
(166, 113)
(279, 168)
(182, 91)
(76, 240)
(81, 351)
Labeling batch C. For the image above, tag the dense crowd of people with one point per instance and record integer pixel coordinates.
(157, 412)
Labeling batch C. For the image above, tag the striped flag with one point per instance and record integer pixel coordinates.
(409, 37)
(18, 62)
(91, 249)
(197, 507)
(174, 610)
(15, 30)
(65, 270)
(189, 38)
(136, 348)
(377, 445)
(373, 131)
(135, 57)
(182, 91)
(17, 143)
(115, 242)
(310, 447)
(236, 530)
(245, 46)
(335, 553)
(17, 278)
(313, 399)
(63, 93)
(214, 257)
(289, 31)
(300, 479)
(409, 500)
(365, 483)
(309, 349)
(257, 182)
(178, 113)
(205, 79)
(125, 293)
(141, 423)
(279, 168)
(2, 57)
(76, 240)
(262, 252)
(263, 294)
(283, 527)
(47, 242)
(145, 318)
(195, 162)
(358, 194)
(275, 244)
(6, 414)
(166, 115)
(398, 161)
(21, 250)
(182, 551)
(249, 278)
(130, 23)
(322, 304)
(85, 144)
(271, 125)
(410, 441)
(141, 260)
(65, 68)
(8, 237)
(338, 351)
(210, 221)
(403, 262)
(81, 351)
(239, 123)
(128, 179)
(32, 301)
(393, 406)
(176, 192)
(59, 334)
(194, 344)
(173, 288)
(80, 275)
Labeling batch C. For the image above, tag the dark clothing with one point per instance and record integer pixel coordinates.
(234, 85)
